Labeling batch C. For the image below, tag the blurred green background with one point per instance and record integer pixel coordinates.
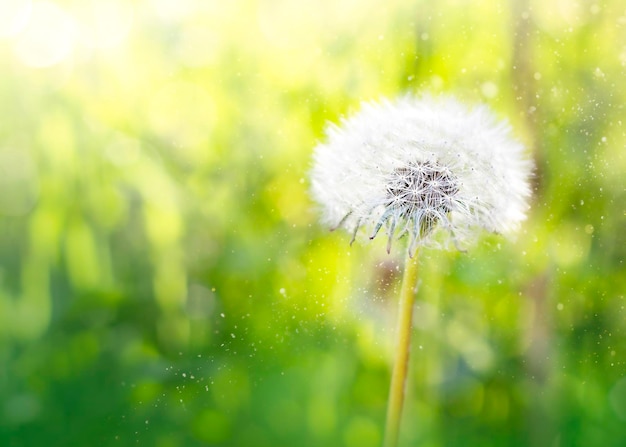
(163, 278)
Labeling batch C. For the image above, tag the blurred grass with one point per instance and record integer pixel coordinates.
(163, 279)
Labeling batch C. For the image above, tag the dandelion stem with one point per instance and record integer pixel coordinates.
(403, 346)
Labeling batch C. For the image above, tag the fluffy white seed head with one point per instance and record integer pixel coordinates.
(427, 167)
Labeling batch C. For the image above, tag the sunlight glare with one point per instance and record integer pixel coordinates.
(13, 16)
(48, 37)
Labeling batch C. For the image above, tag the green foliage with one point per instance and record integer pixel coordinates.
(163, 278)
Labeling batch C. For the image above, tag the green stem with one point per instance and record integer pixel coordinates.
(403, 347)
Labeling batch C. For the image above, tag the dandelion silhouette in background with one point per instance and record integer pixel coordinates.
(427, 168)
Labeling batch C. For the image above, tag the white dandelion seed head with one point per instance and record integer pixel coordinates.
(426, 167)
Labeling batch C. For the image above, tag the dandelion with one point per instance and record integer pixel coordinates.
(429, 168)
(422, 167)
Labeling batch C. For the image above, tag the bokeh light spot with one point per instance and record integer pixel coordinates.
(13, 16)
(48, 37)
(104, 24)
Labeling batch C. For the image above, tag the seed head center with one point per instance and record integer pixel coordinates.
(422, 186)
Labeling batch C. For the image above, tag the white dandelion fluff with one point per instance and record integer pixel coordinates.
(422, 167)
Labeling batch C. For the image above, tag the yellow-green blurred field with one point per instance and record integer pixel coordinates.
(163, 277)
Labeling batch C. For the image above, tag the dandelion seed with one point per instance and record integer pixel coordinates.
(422, 167)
